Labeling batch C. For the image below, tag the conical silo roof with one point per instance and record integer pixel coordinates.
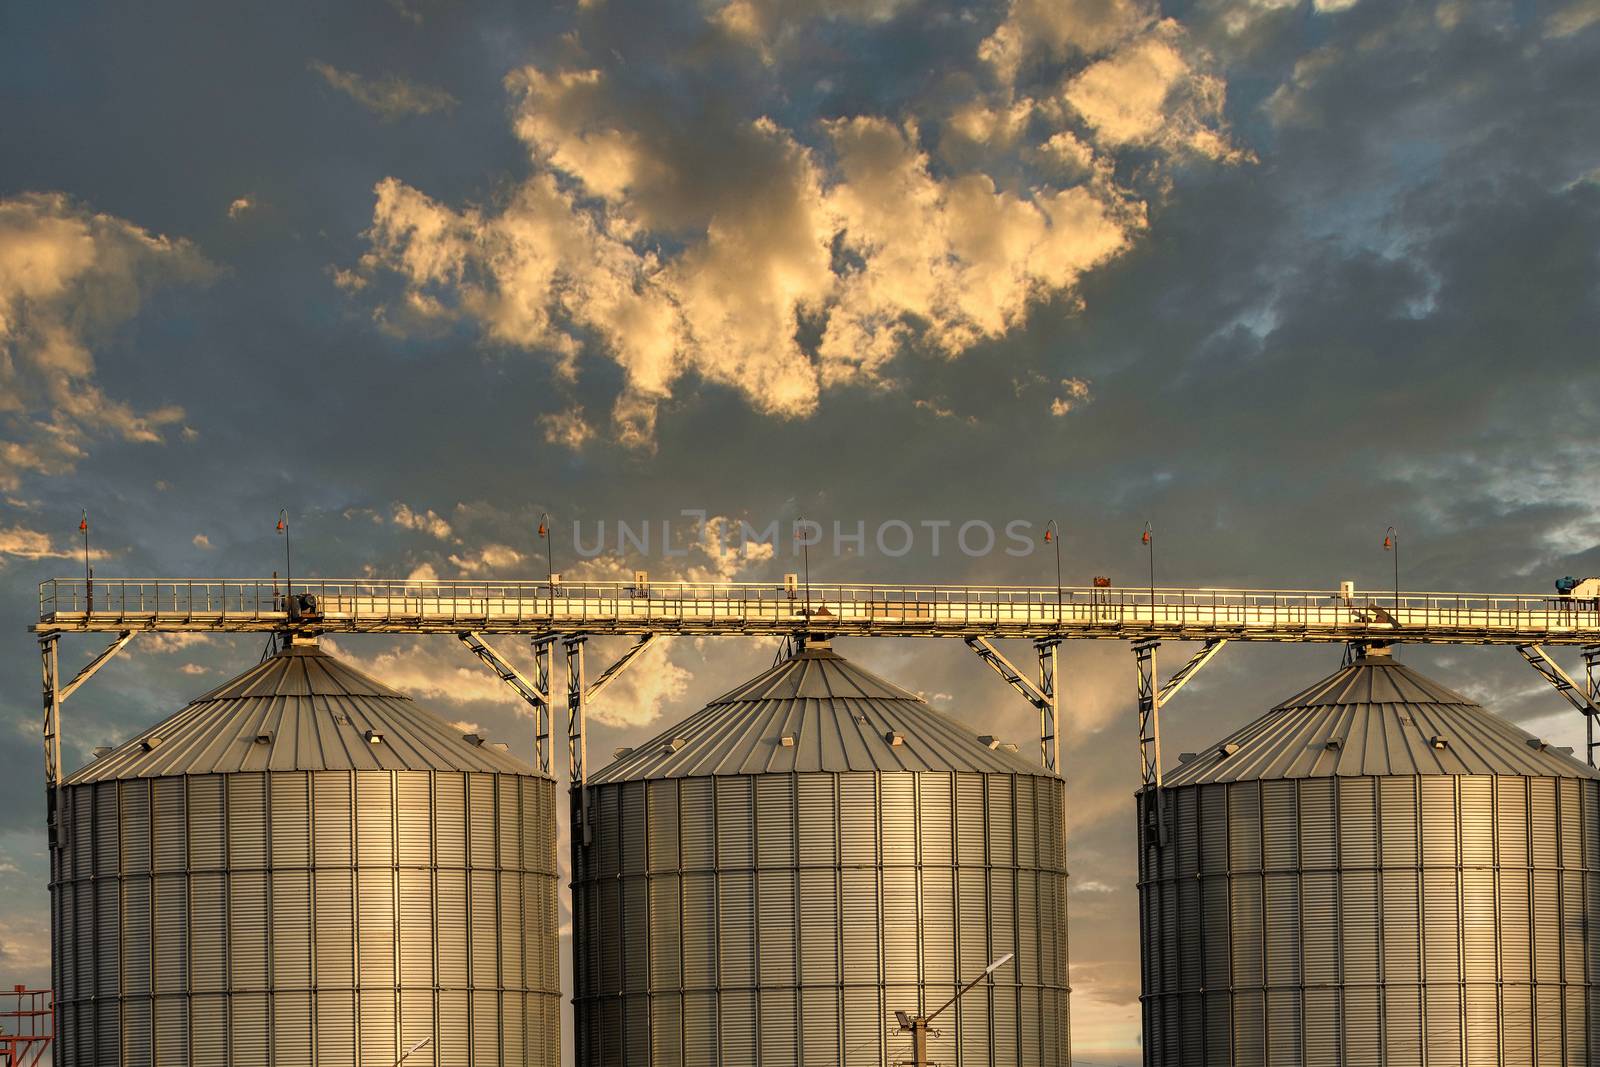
(299, 710)
(835, 716)
(1376, 717)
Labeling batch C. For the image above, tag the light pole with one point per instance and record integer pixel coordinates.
(1052, 535)
(288, 559)
(1391, 543)
(805, 553)
(1149, 539)
(919, 1025)
(88, 575)
(549, 558)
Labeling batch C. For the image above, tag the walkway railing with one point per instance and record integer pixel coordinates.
(409, 606)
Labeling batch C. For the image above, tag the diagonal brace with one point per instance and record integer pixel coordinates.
(609, 675)
(508, 674)
(1013, 677)
(1576, 695)
(1190, 669)
(94, 665)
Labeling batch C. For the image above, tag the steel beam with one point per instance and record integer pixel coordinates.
(95, 664)
(1042, 696)
(1050, 712)
(1580, 697)
(1152, 695)
(1144, 658)
(543, 645)
(609, 675)
(1190, 669)
(577, 737)
(1591, 672)
(49, 656)
(1013, 677)
(536, 693)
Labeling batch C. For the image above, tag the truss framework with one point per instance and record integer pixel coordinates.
(569, 614)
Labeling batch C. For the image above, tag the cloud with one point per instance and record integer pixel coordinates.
(163, 643)
(388, 97)
(240, 205)
(202, 541)
(1148, 93)
(427, 522)
(1572, 18)
(569, 429)
(782, 262)
(1074, 394)
(1060, 27)
(194, 668)
(22, 543)
(68, 279)
(489, 558)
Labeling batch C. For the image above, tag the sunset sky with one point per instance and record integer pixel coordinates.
(1271, 275)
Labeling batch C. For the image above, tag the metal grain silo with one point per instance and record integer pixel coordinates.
(305, 867)
(770, 880)
(1378, 871)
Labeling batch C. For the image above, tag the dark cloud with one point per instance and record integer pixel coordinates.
(1389, 318)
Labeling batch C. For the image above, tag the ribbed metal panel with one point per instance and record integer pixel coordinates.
(1324, 917)
(762, 935)
(284, 917)
(787, 914)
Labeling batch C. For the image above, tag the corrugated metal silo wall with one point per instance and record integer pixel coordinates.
(1397, 920)
(334, 918)
(774, 919)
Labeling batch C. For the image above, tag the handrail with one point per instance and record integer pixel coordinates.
(432, 605)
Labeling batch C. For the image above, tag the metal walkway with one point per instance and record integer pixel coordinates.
(607, 608)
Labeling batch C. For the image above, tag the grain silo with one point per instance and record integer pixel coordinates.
(769, 881)
(1378, 871)
(305, 867)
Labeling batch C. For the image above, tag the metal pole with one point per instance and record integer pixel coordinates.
(577, 736)
(1149, 538)
(1591, 669)
(1050, 713)
(1391, 541)
(919, 1042)
(50, 669)
(548, 536)
(542, 647)
(1150, 729)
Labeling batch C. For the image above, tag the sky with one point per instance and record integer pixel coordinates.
(1271, 275)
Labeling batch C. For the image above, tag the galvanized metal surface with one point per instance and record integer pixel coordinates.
(1375, 717)
(783, 918)
(779, 918)
(1311, 913)
(302, 709)
(307, 916)
(407, 606)
(837, 717)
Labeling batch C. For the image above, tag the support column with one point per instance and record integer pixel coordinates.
(1050, 707)
(51, 672)
(577, 739)
(1144, 654)
(542, 649)
(1591, 671)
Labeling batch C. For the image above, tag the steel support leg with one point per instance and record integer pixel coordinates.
(1050, 708)
(577, 739)
(542, 649)
(50, 669)
(1591, 671)
(1144, 655)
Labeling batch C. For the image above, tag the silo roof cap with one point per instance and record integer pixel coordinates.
(1376, 717)
(835, 716)
(299, 710)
